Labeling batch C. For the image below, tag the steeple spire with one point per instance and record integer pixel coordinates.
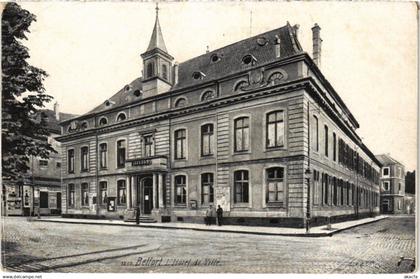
(156, 41)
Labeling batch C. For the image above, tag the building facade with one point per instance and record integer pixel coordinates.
(392, 185)
(41, 190)
(254, 127)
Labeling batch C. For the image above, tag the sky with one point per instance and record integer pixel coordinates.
(369, 52)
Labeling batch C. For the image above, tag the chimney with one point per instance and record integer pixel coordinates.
(296, 30)
(176, 73)
(316, 44)
(277, 46)
(57, 110)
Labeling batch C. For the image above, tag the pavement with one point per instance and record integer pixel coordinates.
(318, 231)
(29, 246)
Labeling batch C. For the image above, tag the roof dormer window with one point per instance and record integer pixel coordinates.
(121, 117)
(262, 41)
(249, 59)
(215, 58)
(137, 93)
(198, 75)
(109, 102)
(103, 121)
(127, 87)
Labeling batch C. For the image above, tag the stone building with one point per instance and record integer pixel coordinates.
(248, 126)
(392, 185)
(42, 184)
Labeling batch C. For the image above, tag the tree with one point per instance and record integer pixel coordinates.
(410, 182)
(24, 132)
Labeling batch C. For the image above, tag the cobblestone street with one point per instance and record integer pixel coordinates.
(49, 247)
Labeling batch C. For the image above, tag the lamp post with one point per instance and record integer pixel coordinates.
(308, 199)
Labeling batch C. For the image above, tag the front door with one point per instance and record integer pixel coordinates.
(147, 186)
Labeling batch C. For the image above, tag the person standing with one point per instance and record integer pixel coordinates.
(208, 215)
(219, 215)
(137, 215)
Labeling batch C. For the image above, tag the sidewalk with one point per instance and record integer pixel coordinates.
(314, 231)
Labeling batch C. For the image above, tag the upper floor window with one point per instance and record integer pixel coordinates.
(121, 117)
(84, 191)
(207, 140)
(208, 95)
(385, 171)
(181, 102)
(180, 189)
(150, 69)
(207, 190)
(326, 140)
(121, 192)
(70, 160)
(71, 197)
(315, 135)
(148, 146)
(165, 71)
(103, 154)
(103, 121)
(386, 185)
(103, 193)
(180, 144)
(275, 185)
(84, 125)
(84, 153)
(121, 147)
(275, 129)
(334, 147)
(241, 134)
(241, 186)
(43, 163)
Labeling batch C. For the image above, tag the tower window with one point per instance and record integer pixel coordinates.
(150, 69)
(164, 71)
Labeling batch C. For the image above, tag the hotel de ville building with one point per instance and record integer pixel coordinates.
(254, 127)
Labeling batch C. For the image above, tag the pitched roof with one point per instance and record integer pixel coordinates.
(386, 160)
(51, 120)
(230, 61)
(156, 41)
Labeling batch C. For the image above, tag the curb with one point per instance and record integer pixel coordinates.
(323, 234)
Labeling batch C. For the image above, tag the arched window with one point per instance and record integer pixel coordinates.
(164, 71)
(84, 125)
(208, 95)
(121, 117)
(241, 85)
(103, 121)
(150, 69)
(180, 189)
(275, 185)
(241, 134)
(275, 78)
(181, 102)
(275, 129)
(207, 190)
(241, 184)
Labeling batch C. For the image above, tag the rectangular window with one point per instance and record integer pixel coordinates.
(43, 163)
(334, 191)
(121, 147)
(103, 154)
(275, 129)
(71, 197)
(325, 188)
(207, 139)
(180, 144)
(103, 193)
(58, 165)
(70, 160)
(84, 153)
(385, 171)
(180, 189)
(121, 192)
(84, 194)
(317, 190)
(241, 186)
(326, 140)
(334, 147)
(385, 186)
(241, 134)
(207, 190)
(275, 185)
(315, 134)
(148, 146)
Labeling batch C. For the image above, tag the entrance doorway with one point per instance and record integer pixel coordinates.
(147, 195)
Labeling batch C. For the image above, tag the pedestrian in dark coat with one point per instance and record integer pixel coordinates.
(219, 215)
(137, 215)
(209, 212)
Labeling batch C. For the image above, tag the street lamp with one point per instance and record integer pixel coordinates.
(308, 199)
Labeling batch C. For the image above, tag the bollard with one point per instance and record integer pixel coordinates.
(329, 223)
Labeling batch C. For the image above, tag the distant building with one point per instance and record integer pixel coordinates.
(42, 184)
(392, 185)
(253, 127)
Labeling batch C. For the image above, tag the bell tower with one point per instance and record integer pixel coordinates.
(157, 63)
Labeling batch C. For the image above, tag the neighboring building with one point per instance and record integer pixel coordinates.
(409, 203)
(392, 185)
(246, 126)
(42, 186)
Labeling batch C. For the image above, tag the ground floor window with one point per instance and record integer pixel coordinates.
(207, 190)
(103, 193)
(275, 185)
(317, 195)
(180, 189)
(121, 192)
(85, 194)
(71, 196)
(241, 185)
